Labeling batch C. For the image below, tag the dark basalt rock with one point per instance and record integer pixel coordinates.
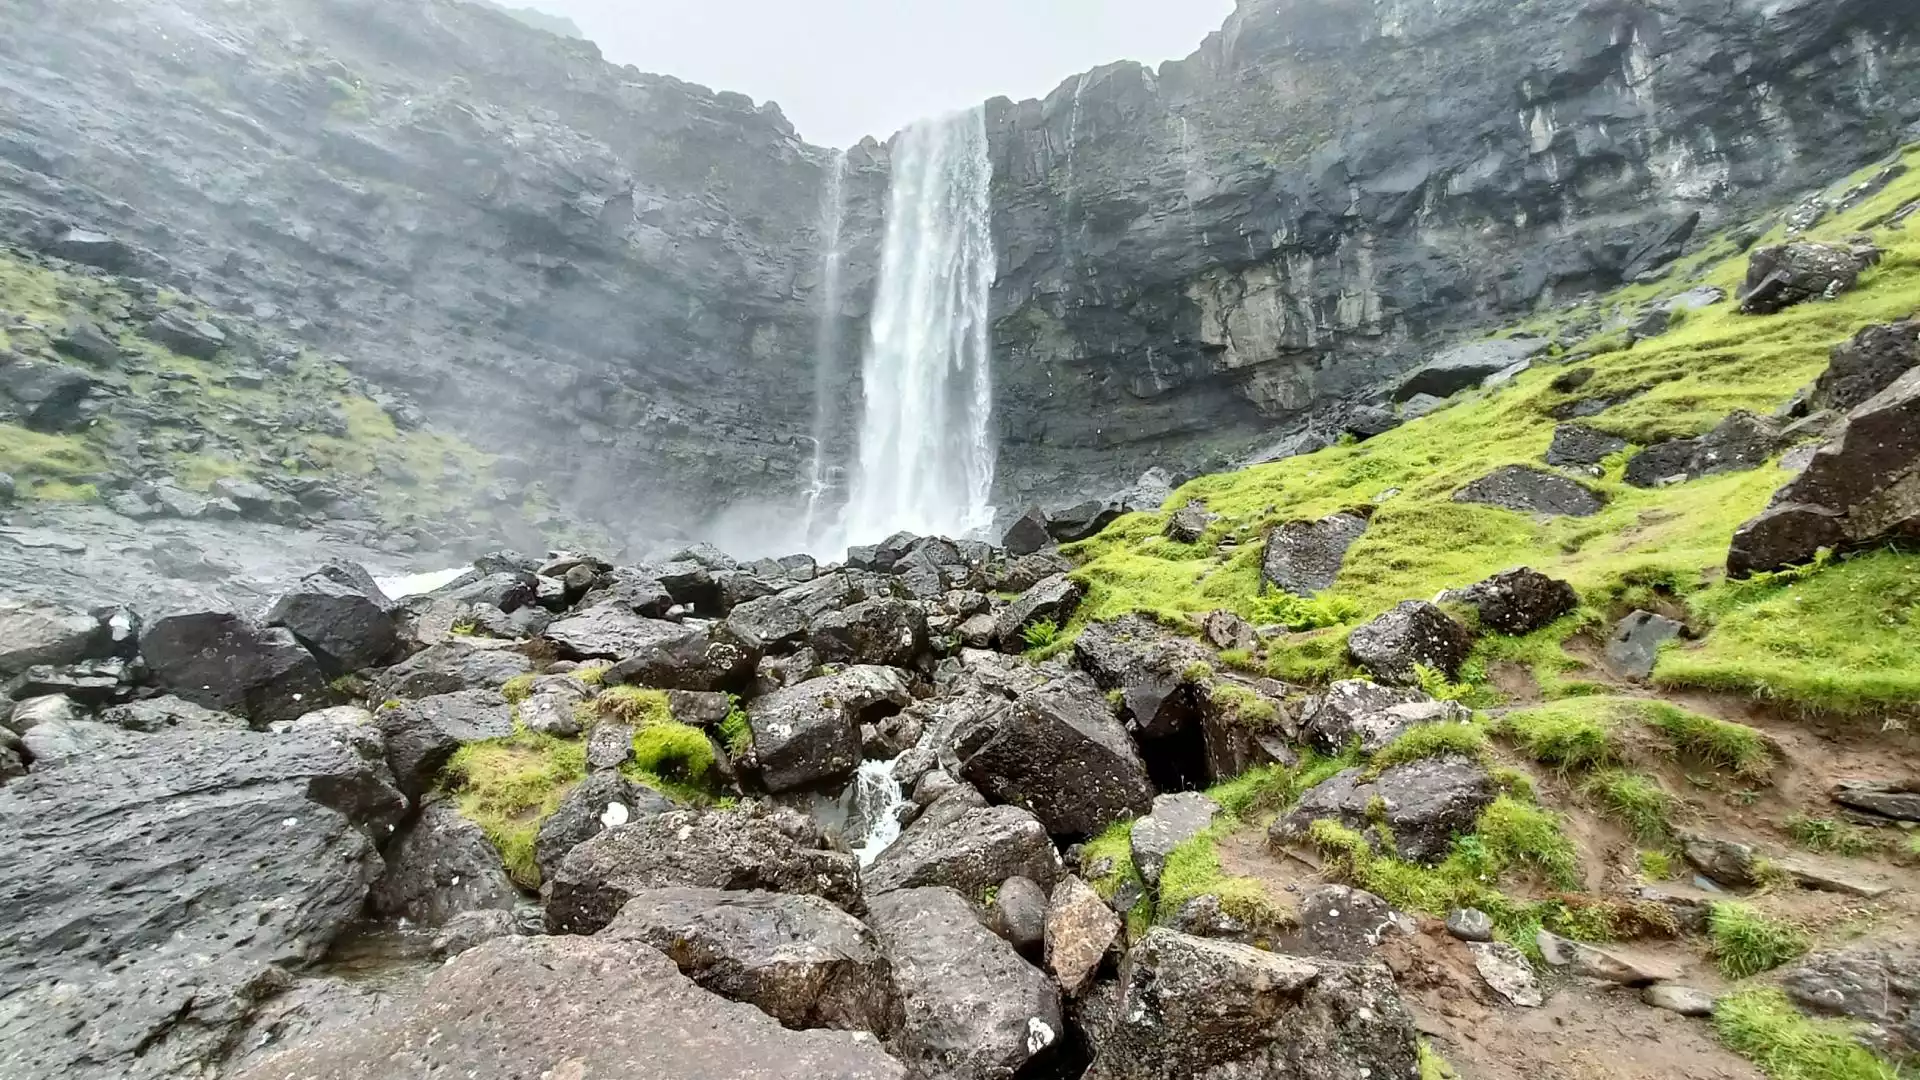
(189, 336)
(969, 848)
(808, 735)
(1355, 712)
(1053, 600)
(225, 662)
(584, 812)
(1156, 671)
(423, 734)
(882, 631)
(1018, 914)
(439, 866)
(1876, 984)
(1028, 534)
(1662, 463)
(346, 627)
(1058, 751)
(1413, 634)
(1520, 601)
(48, 397)
(1426, 803)
(1580, 445)
(448, 668)
(32, 634)
(1783, 275)
(1866, 365)
(1304, 557)
(1468, 365)
(1189, 523)
(1081, 520)
(1531, 491)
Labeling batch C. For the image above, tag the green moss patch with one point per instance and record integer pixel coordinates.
(509, 786)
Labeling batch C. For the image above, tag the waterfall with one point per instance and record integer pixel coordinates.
(826, 347)
(926, 431)
(877, 801)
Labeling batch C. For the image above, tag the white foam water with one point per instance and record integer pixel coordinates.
(877, 800)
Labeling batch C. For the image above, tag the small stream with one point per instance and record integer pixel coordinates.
(877, 805)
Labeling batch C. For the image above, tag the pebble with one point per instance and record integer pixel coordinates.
(1470, 924)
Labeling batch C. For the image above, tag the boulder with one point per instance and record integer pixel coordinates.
(1020, 573)
(346, 628)
(225, 662)
(161, 713)
(471, 929)
(187, 335)
(595, 1007)
(1876, 983)
(59, 740)
(1685, 1000)
(1304, 557)
(90, 683)
(808, 735)
(1147, 494)
(149, 886)
(1423, 805)
(1741, 441)
(1059, 752)
(1896, 799)
(1579, 446)
(1338, 922)
(1193, 1007)
(801, 960)
(1470, 924)
(1615, 966)
(448, 668)
(1527, 490)
(972, 850)
(622, 587)
(695, 658)
(423, 734)
(1189, 523)
(611, 632)
(1414, 634)
(1027, 534)
(1175, 820)
(33, 633)
(1508, 973)
(439, 866)
(1018, 914)
(552, 712)
(1857, 490)
(256, 502)
(1080, 930)
(1662, 463)
(47, 709)
(973, 1009)
(779, 623)
(1054, 600)
(47, 397)
(600, 802)
(1634, 645)
(1081, 520)
(884, 631)
(1861, 368)
(1226, 631)
(1159, 674)
(1356, 712)
(1465, 366)
(1520, 601)
(713, 849)
(1782, 275)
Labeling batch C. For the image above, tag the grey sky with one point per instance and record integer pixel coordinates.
(841, 69)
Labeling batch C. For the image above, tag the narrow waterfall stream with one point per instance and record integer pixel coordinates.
(927, 442)
(821, 478)
(876, 800)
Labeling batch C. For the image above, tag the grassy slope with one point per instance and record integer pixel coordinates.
(1799, 641)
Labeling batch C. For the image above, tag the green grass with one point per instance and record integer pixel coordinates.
(1114, 846)
(509, 786)
(1657, 865)
(1575, 734)
(1433, 1066)
(1193, 870)
(1725, 745)
(45, 466)
(518, 689)
(1270, 788)
(1242, 707)
(1831, 836)
(1761, 1025)
(675, 759)
(632, 705)
(1431, 740)
(1636, 800)
(1746, 941)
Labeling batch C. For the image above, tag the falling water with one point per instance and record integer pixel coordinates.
(826, 347)
(877, 801)
(926, 434)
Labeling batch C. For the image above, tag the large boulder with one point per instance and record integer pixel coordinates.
(882, 631)
(779, 623)
(1782, 275)
(803, 961)
(972, 849)
(1304, 557)
(1422, 805)
(601, 801)
(610, 632)
(450, 667)
(1081, 520)
(1876, 983)
(46, 396)
(438, 866)
(187, 334)
(1175, 820)
(1053, 600)
(1862, 367)
(973, 1009)
(1858, 490)
(151, 885)
(714, 850)
(166, 711)
(1354, 712)
(572, 1007)
(344, 626)
(1465, 366)
(1528, 490)
(33, 633)
(422, 735)
(1520, 601)
(1027, 534)
(1160, 674)
(695, 658)
(1414, 634)
(229, 663)
(1059, 752)
(1194, 1007)
(808, 735)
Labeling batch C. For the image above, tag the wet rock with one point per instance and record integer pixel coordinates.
(1147, 494)
(695, 658)
(600, 802)
(610, 632)
(808, 735)
(971, 850)
(884, 631)
(779, 623)
(1304, 557)
(1782, 275)
(1425, 804)
(57, 741)
(1227, 631)
(1018, 914)
(202, 857)
(1822, 876)
(715, 849)
(1527, 490)
(1175, 819)
(1726, 861)
(552, 713)
(1194, 1007)
(1577, 445)
(346, 628)
(1082, 520)
(448, 668)
(1354, 710)
(1861, 368)
(799, 959)
(1342, 923)
(180, 331)
(1634, 646)
(344, 725)
(1020, 573)
(1028, 534)
(1053, 600)
(90, 683)
(438, 866)
(1520, 601)
(229, 663)
(1189, 523)
(1741, 441)
(1470, 924)
(423, 734)
(48, 709)
(609, 745)
(1508, 972)
(1080, 930)
(1466, 366)
(1607, 965)
(1059, 752)
(1874, 983)
(471, 929)
(973, 1010)
(1897, 799)
(46, 396)
(1414, 634)
(34, 633)
(623, 588)
(1158, 672)
(161, 713)
(603, 1005)
(1853, 493)
(1685, 1000)
(256, 502)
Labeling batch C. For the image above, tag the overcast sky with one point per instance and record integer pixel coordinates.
(841, 69)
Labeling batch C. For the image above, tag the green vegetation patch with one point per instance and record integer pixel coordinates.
(1831, 836)
(1720, 743)
(1432, 740)
(1761, 1025)
(1746, 941)
(1193, 870)
(1636, 800)
(509, 786)
(1578, 733)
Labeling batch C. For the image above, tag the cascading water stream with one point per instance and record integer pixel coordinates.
(826, 349)
(926, 434)
(877, 801)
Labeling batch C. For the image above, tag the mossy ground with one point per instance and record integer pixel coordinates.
(1760, 1024)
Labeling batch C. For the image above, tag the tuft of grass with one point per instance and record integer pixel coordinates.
(1433, 1066)
(1746, 941)
(518, 689)
(1263, 788)
(1241, 706)
(1656, 865)
(674, 758)
(509, 786)
(736, 731)
(1519, 834)
(592, 674)
(1431, 740)
(1761, 1025)
(1193, 869)
(1575, 734)
(1301, 614)
(1637, 800)
(1720, 743)
(1040, 634)
(1829, 835)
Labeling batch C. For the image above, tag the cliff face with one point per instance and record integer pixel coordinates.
(1329, 188)
(610, 274)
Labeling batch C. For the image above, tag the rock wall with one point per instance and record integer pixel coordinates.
(1329, 188)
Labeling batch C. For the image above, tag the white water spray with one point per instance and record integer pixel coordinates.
(826, 346)
(926, 432)
(877, 800)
